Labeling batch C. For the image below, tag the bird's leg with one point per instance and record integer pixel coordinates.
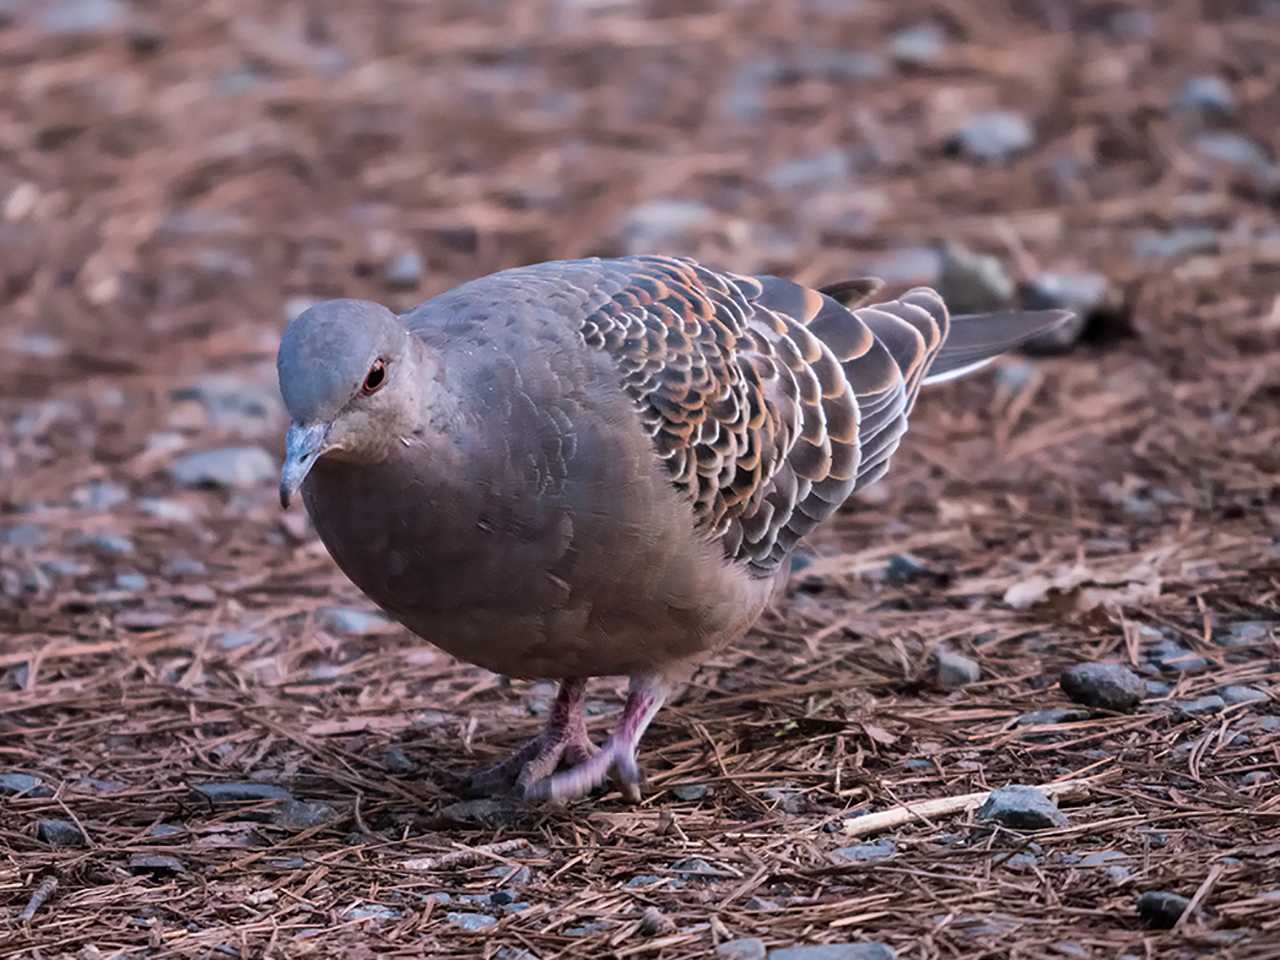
(564, 738)
(617, 756)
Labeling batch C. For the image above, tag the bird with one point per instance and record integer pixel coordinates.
(602, 467)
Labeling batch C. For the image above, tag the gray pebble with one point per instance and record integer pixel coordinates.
(1161, 908)
(397, 761)
(405, 269)
(352, 622)
(13, 784)
(1084, 294)
(866, 852)
(160, 831)
(1021, 862)
(1157, 688)
(1246, 633)
(1069, 948)
(1211, 703)
(155, 863)
(59, 833)
(168, 511)
(665, 224)
(98, 785)
(184, 566)
(993, 136)
(1207, 94)
(235, 791)
(513, 953)
(99, 495)
(973, 282)
(131, 580)
(919, 45)
(1021, 808)
(303, 814)
(747, 948)
(827, 167)
(1238, 693)
(1171, 657)
(471, 921)
(1050, 715)
(224, 468)
(371, 911)
(235, 639)
(695, 868)
(1109, 686)
(1155, 245)
(903, 568)
(653, 922)
(111, 544)
(1236, 150)
(690, 791)
(489, 811)
(232, 401)
(23, 536)
(83, 17)
(953, 670)
(834, 951)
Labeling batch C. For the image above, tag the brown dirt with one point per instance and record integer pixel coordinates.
(169, 178)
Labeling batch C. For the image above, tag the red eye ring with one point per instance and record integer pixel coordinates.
(375, 378)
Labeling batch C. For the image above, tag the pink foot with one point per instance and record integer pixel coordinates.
(564, 739)
(617, 757)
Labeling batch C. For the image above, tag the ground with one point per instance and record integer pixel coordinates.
(176, 179)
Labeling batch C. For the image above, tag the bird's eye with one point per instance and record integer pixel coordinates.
(375, 378)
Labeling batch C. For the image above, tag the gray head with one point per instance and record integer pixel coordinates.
(346, 376)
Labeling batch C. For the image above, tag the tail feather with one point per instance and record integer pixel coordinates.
(977, 339)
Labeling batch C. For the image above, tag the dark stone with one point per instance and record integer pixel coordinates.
(23, 536)
(834, 951)
(59, 833)
(1108, 686)
(224, 468)
(973, 282)
(236, 791)
(695, 868)
(1021, 862)
(155, 863)
(866, 852)
(1021, 808)
(1246, 633)
(397, 761)
(488, 811)
(1161, 908)
(654, 923)
(1170, 657)
(992, 136)
(903, 568)
(953, 670)
(1084, 294)
(303, 814)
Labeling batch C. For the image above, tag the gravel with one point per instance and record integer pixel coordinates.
(59, 833)
(1021, 808)
(228, 468)
(953, 670)
(1212, 703)
(235, 791)
(746, 948)
(835, 951)
(1108, 686)
(1238, 693)
(866, 852)
(992, 136)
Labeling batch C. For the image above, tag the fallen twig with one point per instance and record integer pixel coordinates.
(467, 856)
(38, 896)
(947, 806)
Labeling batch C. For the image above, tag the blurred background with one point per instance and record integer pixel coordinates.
(179, 179)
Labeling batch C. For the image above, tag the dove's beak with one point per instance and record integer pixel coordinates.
(303, 446)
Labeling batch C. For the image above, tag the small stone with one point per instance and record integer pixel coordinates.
(353, 622)
(110, 544)
(1238, 693)
(654, 923)
(920, 45)
(99, 495)
(903, 568)
(1050, 715)
(371, 911)
(98, 785)
(83, 17)
(22, 784)
(866, 852)
(665, 224)
(695, 868)
(835, 951)
(746, 948)
(1021, 808)
(473, 922)
(303, 814)
(992, 136)
(1157, 688)
(397, 761)
(237, 791)
(160, 831)
(1247, 633)
(131, 580)
(59, 833)
(224, 468)
(235, 639)
(973, 282)
(232, 401)
(690, 791)
(405, 269)
(1161, 909)
(1207, 94)
(1211, 703)
(184, 566)
(488, 811)
(23, 536)
(1021, 862)
(953, 670)
(1108, 686)
(1255, 777)
(1069, 948)
(1084, 294)
(1238, 151)
(155, 863)
(827, 167)
(1155, 245)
